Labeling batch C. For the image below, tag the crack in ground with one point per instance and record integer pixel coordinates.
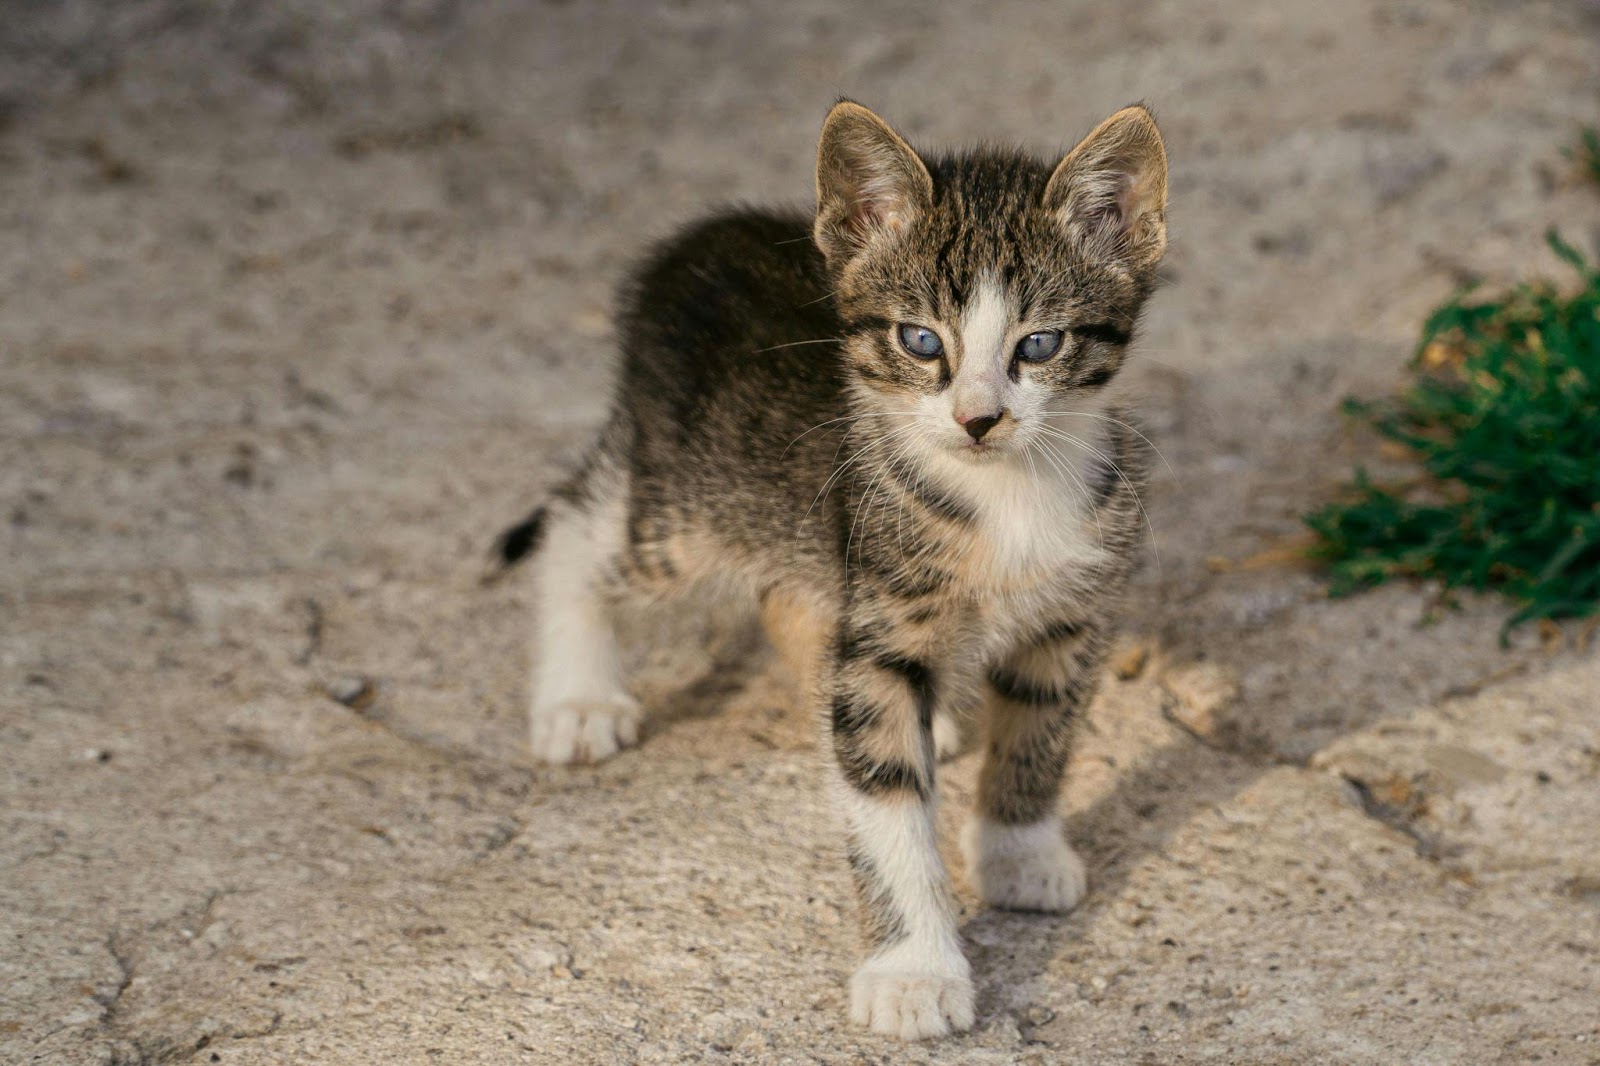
(1402, 817)
(126, 966)
(141, 1050)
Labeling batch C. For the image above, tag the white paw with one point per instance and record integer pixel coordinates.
(584, 730)
(946, 736)
(899, 997)
(1024, 868)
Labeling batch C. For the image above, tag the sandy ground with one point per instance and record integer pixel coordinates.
(299, 304)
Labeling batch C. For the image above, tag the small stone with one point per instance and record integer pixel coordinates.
(355, 692)
(1201, 691)
(1038, 1015)
(752, 1042)
(536, 959)
(1585, 888)
(1129, 663)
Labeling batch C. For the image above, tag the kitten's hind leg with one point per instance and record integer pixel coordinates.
(580, 708)
(800, 630)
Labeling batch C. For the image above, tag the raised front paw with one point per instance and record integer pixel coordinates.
(584, 730)
(902, 996)
(1025, 868)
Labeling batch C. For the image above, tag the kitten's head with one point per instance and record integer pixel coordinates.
(986, 293)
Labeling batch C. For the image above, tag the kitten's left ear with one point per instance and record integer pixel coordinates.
(870, 184)
(1112, 188)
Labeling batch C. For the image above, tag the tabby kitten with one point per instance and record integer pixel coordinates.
(893, 424)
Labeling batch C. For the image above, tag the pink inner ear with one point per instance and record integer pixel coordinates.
(874, 204)
(1115, 210)
(871, 214)
(867, 213)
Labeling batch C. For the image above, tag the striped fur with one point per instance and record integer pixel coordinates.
(771, 433)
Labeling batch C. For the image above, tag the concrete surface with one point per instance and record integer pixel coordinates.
(300, 303)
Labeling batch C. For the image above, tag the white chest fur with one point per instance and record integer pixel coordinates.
(1036, 522)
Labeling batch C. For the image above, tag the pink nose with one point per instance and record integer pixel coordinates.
(977, 425)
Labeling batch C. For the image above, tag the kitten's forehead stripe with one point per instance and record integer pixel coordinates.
(981, 200)
(983, 327)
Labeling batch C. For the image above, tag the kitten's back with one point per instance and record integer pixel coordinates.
(729, 357)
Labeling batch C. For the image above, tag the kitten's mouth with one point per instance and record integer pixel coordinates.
(981, 451)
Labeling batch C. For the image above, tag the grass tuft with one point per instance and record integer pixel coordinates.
(1503, 414)
(1586, 153)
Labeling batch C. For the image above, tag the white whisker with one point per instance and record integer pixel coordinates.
(1066, 469)
(1125, 425)
(829, 422)
(796, 344)
(1103, 457)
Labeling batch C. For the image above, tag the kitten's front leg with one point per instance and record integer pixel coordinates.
(917, 982)
(1016, 854)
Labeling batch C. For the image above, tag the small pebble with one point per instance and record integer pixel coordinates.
(1201, 692)
(1129, 663)
(356, 693)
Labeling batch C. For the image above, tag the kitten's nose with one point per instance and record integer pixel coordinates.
(977, 425)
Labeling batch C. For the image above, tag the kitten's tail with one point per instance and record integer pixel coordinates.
(516, 544)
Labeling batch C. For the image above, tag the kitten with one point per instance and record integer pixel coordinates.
(891, 423)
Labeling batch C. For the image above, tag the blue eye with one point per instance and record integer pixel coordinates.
(921, 342)
(1037, 347)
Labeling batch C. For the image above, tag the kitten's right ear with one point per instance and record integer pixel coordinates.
(870, 184)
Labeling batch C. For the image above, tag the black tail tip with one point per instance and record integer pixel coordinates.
(520, 541)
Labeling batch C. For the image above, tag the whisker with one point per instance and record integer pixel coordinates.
(819, 425)
(1127, 426)
(866, 499)
(1137, 502)
(900, 530)
(827, 485)
(1146, 357)
(796, 344)
(1065, 468)
(841, 468)
(825, 296)
(869, 497)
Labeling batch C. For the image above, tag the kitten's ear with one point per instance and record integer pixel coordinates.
(1112, 188)
(869, 182)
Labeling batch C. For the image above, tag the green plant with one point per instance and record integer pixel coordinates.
(1503, 413)
(1586, 153)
